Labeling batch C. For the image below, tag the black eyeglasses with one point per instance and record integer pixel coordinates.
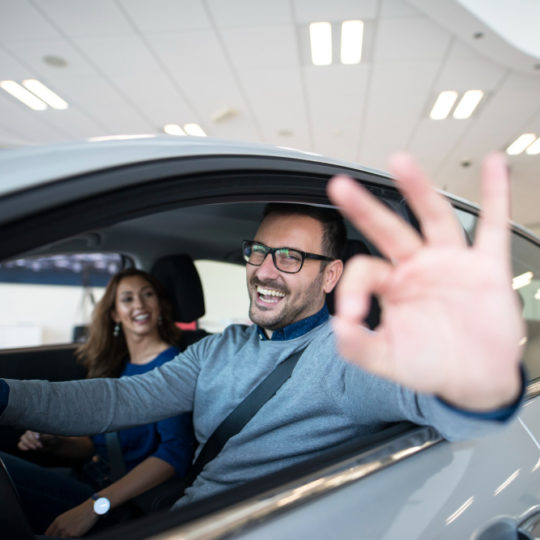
(285, 259)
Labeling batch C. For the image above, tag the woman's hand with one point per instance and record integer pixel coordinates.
(31, 440)
(74, 522)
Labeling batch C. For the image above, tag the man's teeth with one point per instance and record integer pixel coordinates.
(270, 292)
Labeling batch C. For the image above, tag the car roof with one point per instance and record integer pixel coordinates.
(34, 165)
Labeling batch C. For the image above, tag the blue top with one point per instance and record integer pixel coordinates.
(171, 440)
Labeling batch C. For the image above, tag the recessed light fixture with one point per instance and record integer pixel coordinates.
(467, 104)
(45, 94)
(443, 105)
(352, 33)
(23, 95)
(194, 129)
(173, 129)
(121, 137)
(224, 114)
(520, 144)
(534, 148)
(320, 36)
(522, 280)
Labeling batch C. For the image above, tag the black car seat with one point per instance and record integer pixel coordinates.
(352, 248)
(183, 287)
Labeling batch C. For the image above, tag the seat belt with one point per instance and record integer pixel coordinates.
(242, 414)
(114, 453)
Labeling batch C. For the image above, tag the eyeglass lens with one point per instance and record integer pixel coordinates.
(286, 259)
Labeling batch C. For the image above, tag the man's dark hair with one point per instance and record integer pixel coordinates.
(334, 231)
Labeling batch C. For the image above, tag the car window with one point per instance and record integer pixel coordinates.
(49, 300)
(526, 283)
(225, 294)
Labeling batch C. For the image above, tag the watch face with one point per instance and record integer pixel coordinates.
(101, 506)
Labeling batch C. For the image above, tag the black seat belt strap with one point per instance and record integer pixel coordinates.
(242, 414)
(116, 458)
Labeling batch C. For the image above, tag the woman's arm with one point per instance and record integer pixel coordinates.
(148, 474)
(68, 447)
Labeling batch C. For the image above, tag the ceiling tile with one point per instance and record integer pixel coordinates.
(261, 46)
(81, 18)
(20, 20)
(189, 51)
(337, 10)
(166, 15)
(250, 12)
(404, 39)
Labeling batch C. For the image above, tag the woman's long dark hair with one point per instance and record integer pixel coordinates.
(104, 354)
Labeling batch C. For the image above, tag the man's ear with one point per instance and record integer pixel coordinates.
(332, 273)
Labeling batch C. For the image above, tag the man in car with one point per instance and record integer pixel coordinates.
(447, 352)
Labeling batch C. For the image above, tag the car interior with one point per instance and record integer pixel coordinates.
(168, 242)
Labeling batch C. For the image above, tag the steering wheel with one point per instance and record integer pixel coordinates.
(13, 522)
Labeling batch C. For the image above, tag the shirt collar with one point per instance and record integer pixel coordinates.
(298, 328)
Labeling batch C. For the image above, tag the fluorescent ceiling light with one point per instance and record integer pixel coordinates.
(173, 129)
(320, 36)
(23, 95)
(519, 145)
(352, 33)
(467, 104)
(121, 137)
(194, 129)
(45, 94)
(443, 105)
(534, 148)
(522, 280)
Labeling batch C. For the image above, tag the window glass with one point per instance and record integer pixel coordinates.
(49, 300)
(225, 294)
(526, 283)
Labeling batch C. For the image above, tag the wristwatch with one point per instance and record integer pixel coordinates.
(101, 504)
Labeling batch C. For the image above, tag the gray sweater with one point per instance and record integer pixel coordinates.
(325, 402)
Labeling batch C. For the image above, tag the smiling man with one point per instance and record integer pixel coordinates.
(418, 366)
(289, 283)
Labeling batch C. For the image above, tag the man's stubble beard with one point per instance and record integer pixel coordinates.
(287, 314)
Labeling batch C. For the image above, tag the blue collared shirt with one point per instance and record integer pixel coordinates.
(298, 328)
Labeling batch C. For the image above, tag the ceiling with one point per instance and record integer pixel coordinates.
(131, 66)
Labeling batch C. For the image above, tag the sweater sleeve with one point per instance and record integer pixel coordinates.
(100, 405)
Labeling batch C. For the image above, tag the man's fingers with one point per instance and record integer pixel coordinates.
(363, 276)
(440, 226)
(394, 238)
(493, 234)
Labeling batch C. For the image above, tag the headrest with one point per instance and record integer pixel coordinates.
(182, 284)
(352, 248)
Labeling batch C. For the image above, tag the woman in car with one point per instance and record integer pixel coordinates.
(131, 332)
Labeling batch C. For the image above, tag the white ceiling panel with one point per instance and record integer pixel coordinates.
(81, 18)
(337, 10)
(31, 53)
(403, 39)
(397, 8)
(166, 15)
(261, 46)
(189, 51)
(250, 12)
(19, 20)
(199, 87)
(11, 68)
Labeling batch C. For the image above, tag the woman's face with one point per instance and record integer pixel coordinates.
(136, 307)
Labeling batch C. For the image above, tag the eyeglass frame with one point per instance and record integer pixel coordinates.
(304, 254)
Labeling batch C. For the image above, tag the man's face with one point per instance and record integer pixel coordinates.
(278, 299)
